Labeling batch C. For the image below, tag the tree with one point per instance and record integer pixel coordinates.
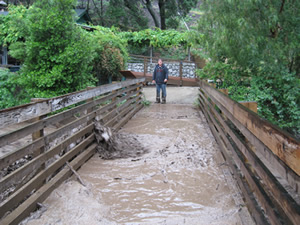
(127, 15)
(111, 55)
(171, 11)
(131, 14)
(57, 53)
(258, 42)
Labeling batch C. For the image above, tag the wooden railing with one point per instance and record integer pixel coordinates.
(264, 159)
(39, 148)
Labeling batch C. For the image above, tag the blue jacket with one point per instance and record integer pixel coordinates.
(160, 74)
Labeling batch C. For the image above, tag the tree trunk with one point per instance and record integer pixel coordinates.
(101, 12)
(152, 13)
(162, 13)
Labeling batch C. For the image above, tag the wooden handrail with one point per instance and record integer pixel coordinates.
(264, 158)
(73, 142)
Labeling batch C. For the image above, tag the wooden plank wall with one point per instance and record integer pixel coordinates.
(23, 187)
(264, 159)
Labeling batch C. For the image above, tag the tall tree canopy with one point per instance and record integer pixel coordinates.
(257, 44)
(132, 14)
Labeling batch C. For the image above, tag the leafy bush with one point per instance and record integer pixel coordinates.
(255, 48)
(11, 92)
(57, 54)
(276, 92)
(111, 55)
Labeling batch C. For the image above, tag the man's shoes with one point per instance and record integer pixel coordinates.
(157, 100)
(163, 100)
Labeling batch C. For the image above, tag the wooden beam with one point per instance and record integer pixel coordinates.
(24, 112)
(279, 142)
(127, 117)
(250, 105)
(249, 198)
(116, 111)
(269, 159)
(17, 175)
(40, 195)
(180, 74)
(9, 158)
(19, 195)
(122, 112)
(279, 195)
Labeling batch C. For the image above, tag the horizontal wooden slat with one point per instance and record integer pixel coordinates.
(277, 191)
(34, 164)
(110, 117)
(31, 203)
(126, 109)
(128, 117)
(9, 158)
(270, 160)
(279, 142)
(19, 195)
(30, 128)
(250, 200)
(21, 113)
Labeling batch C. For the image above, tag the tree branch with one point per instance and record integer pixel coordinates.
(152, 13)
(282, 5)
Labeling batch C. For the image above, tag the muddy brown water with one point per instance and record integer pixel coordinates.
(179, 179)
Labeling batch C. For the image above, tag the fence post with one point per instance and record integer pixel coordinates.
(151, 53)
(180, 73)
(36, 135)
(145, 66)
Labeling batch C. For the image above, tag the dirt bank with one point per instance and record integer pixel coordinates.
(178, 179)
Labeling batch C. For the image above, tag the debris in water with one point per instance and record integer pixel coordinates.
(113, 145)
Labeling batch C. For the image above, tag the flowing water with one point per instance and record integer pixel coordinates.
(173, 174)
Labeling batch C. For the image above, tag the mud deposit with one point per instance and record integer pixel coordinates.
(174, 175)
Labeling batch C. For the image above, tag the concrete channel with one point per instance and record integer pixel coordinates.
(173, 173)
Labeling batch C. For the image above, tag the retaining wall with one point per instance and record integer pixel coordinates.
(188, 69)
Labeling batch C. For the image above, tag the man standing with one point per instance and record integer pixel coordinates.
(160, 78)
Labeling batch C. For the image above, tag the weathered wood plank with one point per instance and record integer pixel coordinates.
(30, 148)
(6, 160)
(128, 117)
(250, 200)
(250, 105)
(19, 195)
(279, 195)
(31, 128)
(279, 142)
(254, 184)
(116, 111)
(269, 159)
(39, 196)
(35, 163)
(123, 111)
(28, 111)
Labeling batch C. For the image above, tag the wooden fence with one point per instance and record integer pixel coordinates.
(40, 141)
(264, 159)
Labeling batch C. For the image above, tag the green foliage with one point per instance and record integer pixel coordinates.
(156, 38)
(12, 26)
(57, 54)
(126, 14)
(177, 10)
(111, 55)
(255, 47)
(11, 92)
(275, 90)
